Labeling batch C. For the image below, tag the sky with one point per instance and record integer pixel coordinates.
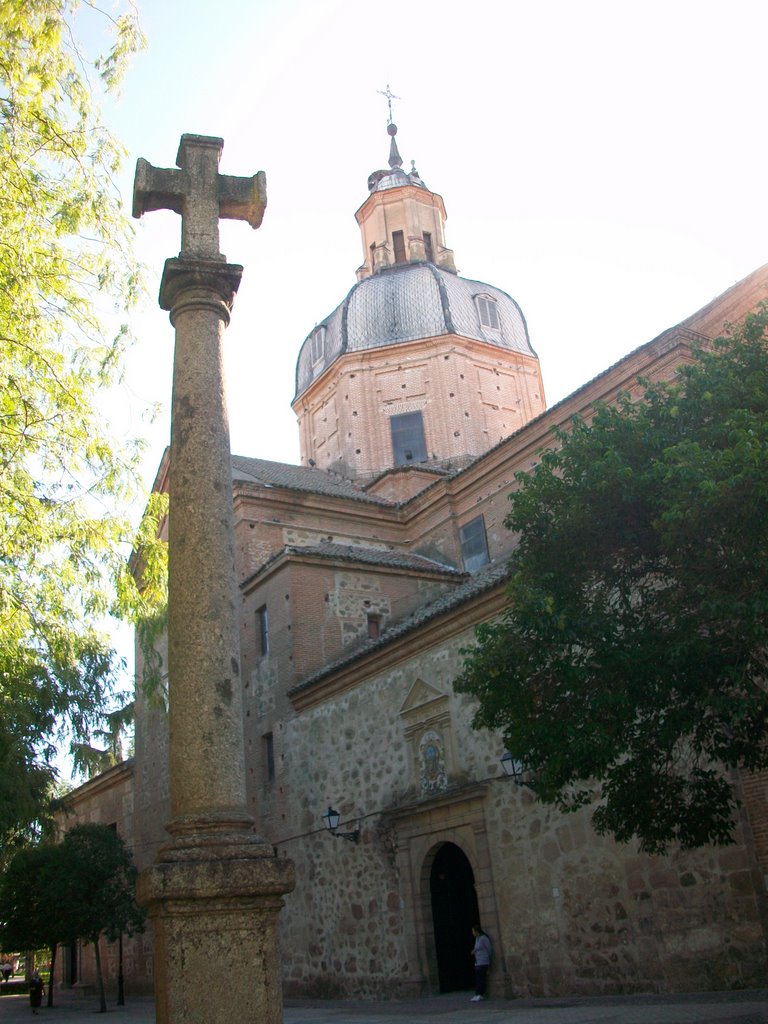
(602, 162)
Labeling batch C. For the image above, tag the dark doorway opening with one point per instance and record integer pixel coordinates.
(454, 911)
(70, 965)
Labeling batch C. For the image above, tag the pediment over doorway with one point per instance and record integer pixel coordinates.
(419, 696)
(426, 717)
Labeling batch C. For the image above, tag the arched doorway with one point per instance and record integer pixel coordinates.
(454, 911)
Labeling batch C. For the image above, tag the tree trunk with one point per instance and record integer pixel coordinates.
(102, 994)
(120, 981)
(54, 947)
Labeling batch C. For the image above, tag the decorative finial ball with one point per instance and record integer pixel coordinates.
(391, 129)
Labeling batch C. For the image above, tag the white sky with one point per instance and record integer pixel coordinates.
(603, 162)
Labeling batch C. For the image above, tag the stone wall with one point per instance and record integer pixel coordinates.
(569, 911)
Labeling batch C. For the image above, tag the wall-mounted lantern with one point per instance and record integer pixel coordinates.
(331, 820)
(516, 770)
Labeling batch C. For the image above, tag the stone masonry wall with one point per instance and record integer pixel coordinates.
(569, 912)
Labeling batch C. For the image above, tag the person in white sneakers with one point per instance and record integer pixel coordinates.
(481, 953)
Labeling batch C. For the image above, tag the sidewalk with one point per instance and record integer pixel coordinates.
(705, 1008)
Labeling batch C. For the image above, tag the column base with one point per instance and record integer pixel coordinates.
(216, 946)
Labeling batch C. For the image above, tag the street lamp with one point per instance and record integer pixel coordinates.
(331, 820)
(516, 770)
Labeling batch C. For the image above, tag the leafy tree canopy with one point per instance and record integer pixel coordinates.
(97, 895)
(66, 276)
(630, 667)
(27, 886)
(80, 888)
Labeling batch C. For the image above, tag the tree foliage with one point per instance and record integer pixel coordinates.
(98, 895)
(90, 760)
(26, 921)
(66, 276)
(142, 591)
(81, 888)
(630, 666)
(28, 893)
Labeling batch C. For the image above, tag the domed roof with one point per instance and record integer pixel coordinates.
(405, 303)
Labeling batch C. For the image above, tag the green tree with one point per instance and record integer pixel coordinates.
(28, 896)
(97, 892)
(66, 277)
(90, 760)
(630, 667)
(81, 888)
(142, 590)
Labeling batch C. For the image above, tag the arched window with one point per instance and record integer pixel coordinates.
(489, 313)
(318, 344)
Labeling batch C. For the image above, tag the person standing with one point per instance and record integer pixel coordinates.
(36, 990)
(481, 953)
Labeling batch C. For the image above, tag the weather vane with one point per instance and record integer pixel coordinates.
(390, 96)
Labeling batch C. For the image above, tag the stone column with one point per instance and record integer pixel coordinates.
(215, 891)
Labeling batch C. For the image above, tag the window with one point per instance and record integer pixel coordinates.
(408, 438)
(489, 313)
(318, 344)
(398, 245)
(474, 544)
(269, 757)
(262, 632)
(428, 251)
(374, 626)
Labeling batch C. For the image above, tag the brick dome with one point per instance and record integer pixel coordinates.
(405, 303)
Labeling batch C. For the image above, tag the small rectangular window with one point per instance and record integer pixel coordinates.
(269, 757)
(374, 626)
(489, 314)
(318, 344)
(408, 443)
(428, 252)
(398, 244)
(474, 544)
(262, 632)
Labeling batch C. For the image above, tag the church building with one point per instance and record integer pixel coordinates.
(363, 572)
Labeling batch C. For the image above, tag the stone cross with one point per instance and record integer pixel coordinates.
(214, 891)
(200, 194)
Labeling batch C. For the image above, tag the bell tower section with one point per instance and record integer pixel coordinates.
(401, 221)
(417, 367)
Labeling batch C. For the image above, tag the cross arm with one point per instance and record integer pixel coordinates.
(243, 198)
(156, 188)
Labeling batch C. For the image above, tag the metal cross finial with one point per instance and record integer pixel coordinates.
(390, 96)
(200, 194)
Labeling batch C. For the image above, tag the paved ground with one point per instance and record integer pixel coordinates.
(709, 1008)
